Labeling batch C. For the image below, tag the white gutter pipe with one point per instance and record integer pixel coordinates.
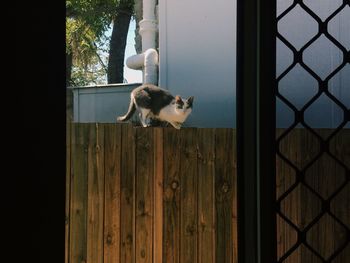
(148, 59)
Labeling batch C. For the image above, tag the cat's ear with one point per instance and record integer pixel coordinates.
(178, 99)
(190, 101)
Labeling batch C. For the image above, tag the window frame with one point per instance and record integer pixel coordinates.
(256, 111)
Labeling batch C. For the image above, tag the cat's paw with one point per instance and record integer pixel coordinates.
(176, 125)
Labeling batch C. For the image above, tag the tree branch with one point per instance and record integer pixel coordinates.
(99, 58)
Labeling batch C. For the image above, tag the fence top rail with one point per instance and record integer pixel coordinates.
(121, 85)
(183, 128)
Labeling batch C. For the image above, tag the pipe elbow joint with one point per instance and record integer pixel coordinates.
(148, 61)
(151, 57)
(151, 66)
(136, 61)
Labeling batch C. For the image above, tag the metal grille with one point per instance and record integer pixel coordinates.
(306, 203)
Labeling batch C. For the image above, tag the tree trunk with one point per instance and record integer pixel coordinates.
(138, 7)
(115, 72)
(69, 61)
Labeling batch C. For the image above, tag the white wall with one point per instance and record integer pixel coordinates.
(198, 57)
(197, 49)
(323, 57)
(101, 103)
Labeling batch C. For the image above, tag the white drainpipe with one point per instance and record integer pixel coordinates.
(148, 59)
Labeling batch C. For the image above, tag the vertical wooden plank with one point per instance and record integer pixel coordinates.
(158, 196)
(188, 189)
(171, 216)
(340, 205)
(234, 196)
(224, 174)
(112, 193)
(301, 206)
(78, 208)
(127, 198)
(310, 205)
(285, 177)
(95, 193)
(144, 195)
(68, 185)
(290, 206)
(206, 195)
(325, 176)
(321, 177)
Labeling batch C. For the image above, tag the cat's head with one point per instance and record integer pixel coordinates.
(183, 106)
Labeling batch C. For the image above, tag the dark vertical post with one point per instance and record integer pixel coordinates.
(267, 245)
(256, 131)
(246, 131)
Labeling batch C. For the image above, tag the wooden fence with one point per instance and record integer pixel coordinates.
(165, 195)
(147, 195)
(302, 206)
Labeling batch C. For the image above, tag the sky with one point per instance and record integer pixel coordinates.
(131, 75)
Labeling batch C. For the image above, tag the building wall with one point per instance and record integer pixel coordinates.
(198, 57)
(322, 56)
(197, 49)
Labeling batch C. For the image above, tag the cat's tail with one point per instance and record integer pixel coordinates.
(130, 112)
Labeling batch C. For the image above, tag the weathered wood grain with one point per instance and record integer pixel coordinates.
(158, 196)
(302, 205)
(340, 204)
(68, 187)
(224, 183)
(112, 196)
(163, 195)
(233, 140)
(95, 194)
(188, 199)
(144, 195)
(127, 201)
(285, 177)
(206, 195)
(79, 196)
(171, 210)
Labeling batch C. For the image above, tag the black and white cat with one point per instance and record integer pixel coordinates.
(156, 103)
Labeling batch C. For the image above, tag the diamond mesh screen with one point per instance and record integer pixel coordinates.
(313, 135)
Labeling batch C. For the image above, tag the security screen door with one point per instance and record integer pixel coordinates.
(313, 136)
(293, 136)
